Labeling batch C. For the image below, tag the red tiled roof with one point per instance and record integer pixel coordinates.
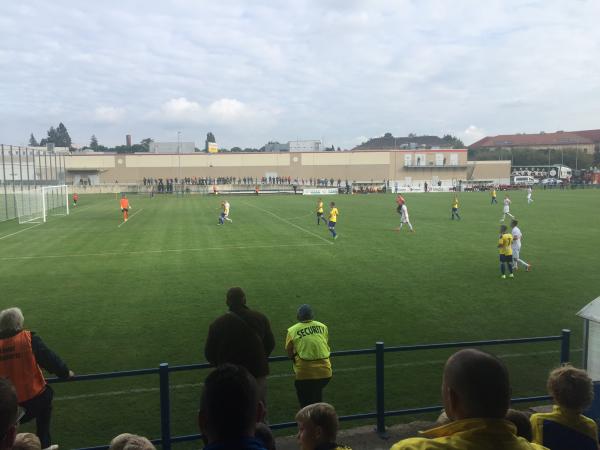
(594, 135)
(558, 138)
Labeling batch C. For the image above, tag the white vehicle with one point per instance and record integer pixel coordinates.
(551, 181)
(524, 180)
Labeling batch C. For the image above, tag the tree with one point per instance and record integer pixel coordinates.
(412, 135)
(453, 141)
(58, 136)
(210, 137)
(32, 141)
(94, 143)
(62, 136)
(146, 143)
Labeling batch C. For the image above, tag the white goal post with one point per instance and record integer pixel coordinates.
(35, 205)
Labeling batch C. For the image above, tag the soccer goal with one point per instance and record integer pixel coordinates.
(36, 205)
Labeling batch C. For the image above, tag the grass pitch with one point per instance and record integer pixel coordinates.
(110, 296)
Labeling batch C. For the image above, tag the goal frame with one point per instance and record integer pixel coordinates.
(44, 204)
(41, 215)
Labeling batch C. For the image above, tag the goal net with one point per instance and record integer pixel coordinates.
(36, 205)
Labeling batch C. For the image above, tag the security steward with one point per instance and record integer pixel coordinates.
(307, 344)
(22, 356)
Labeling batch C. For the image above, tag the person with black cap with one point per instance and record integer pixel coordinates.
(307, 344)
(241, 336)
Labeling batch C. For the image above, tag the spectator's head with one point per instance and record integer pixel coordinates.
(229, 406)
(571, 388)
(10, 414)
(11, 319)
(305, 313)
(236, 298)
(127, 441)
(27, 441)
(317, 425)
(442, 419)
(475, 385)
(522, 422)
(264, 434)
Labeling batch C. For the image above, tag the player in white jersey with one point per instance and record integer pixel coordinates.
(225, 213)
(529, 194)
(404, 219)
(516, 246)
(506, 208)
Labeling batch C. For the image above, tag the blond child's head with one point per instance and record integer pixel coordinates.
(127, 441)
(27, 441)
(571, 388)
(317, 425)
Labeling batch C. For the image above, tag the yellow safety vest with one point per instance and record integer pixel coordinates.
(310, 340)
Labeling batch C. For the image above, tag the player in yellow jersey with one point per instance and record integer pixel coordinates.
(505, 247)
(333, 214)
(320, 212)
(494, 195)
(225, 214)
(455, 208)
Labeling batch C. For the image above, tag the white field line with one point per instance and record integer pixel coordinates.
(142, 252)
(290, 223)
(131, 217)
(20, 231)
(290, 374)
(301, 217)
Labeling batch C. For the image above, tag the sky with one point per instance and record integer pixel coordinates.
(337, 70)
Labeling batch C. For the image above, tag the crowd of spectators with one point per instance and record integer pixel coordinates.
(248, 181)
(232, 410)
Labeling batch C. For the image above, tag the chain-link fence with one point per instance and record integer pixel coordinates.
(24, 170)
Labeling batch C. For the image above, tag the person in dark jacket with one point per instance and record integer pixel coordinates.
(242, 337)
(22, 356)
(230, 409)
(9, 415)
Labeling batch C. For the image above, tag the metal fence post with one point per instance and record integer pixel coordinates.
(565, 346)
(379, 383)
(165, 407)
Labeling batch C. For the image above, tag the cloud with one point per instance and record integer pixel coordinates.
(472, 134)
(228, 110)
(181, 110)
(224, 112)
(109, 114)
(339, 69)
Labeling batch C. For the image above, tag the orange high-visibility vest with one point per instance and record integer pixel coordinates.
(18, 364)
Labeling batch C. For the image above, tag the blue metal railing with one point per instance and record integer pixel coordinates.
(379, 414)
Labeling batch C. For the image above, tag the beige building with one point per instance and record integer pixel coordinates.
(408, 167)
